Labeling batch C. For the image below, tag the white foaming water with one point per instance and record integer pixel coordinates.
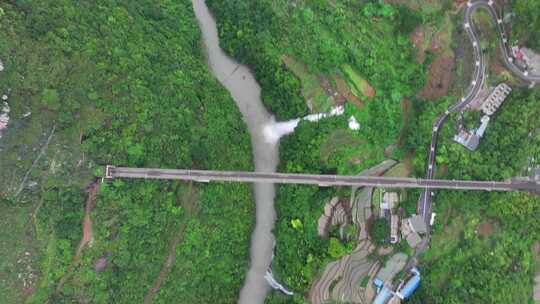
(273, 131)
(335, 111)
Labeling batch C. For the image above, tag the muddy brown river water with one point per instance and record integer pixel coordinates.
(245, 90)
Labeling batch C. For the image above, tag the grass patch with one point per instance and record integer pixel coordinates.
(399, 170)
(428, 7)
(364, 281)
(313, 93)
(360, 87)
(16, 237)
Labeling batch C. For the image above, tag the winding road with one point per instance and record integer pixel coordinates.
(426, 198)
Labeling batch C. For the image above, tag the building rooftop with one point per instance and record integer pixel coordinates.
(394, 228)
(412, 284)
(413, 239)
(418, 224)
(389, 200)
(467, 139)
(484, 123)
(496, 98)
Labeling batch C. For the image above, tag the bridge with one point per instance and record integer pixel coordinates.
(318, 179)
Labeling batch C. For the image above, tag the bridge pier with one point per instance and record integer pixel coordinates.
(108, 171)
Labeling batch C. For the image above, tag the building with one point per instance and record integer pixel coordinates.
(394, 300)
(532, 60)
(471, 139)
(383, 296)
(413, 239)
(484, 121)
(394, 229)
(417, 224)
(518, 53)
(468, 139)
(412, 283)
(495, 99)
(412, 228)
(389, 200)
(404, 291)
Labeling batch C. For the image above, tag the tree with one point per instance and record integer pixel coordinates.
(380, 231)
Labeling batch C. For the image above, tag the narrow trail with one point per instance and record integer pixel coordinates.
(87, 236)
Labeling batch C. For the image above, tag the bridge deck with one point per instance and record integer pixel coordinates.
(316, 179)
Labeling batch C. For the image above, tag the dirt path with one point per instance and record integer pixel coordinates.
(189, 202)
(87, 231)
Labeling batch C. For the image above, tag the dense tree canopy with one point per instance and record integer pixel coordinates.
(129, 81)
(526, 22)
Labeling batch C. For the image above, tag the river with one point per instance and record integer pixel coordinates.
(245, 90)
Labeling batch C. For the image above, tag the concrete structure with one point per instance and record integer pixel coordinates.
(518, 54)
(496, 98)
(484, 121)
(394, 229)
(532, 60)
(471, 139)
(404, 291)
(413, 239)
(394, 265)
(468, 139)
(318, 179)
(394, 300)
(383, 296)
(412, 228)
(389, 200)
(417, 224)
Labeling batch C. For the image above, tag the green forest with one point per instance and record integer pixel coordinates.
(125, 82)
(526, 21)
(313, 33)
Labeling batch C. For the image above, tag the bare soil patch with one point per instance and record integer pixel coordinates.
(485, 228)
(437, 41)
(335, 95)
(417, 38)
(345, 91)
(439, 77)
(87, 236)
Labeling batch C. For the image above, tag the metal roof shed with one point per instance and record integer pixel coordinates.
(412, 284)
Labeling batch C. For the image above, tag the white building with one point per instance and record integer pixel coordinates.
(496, 98)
